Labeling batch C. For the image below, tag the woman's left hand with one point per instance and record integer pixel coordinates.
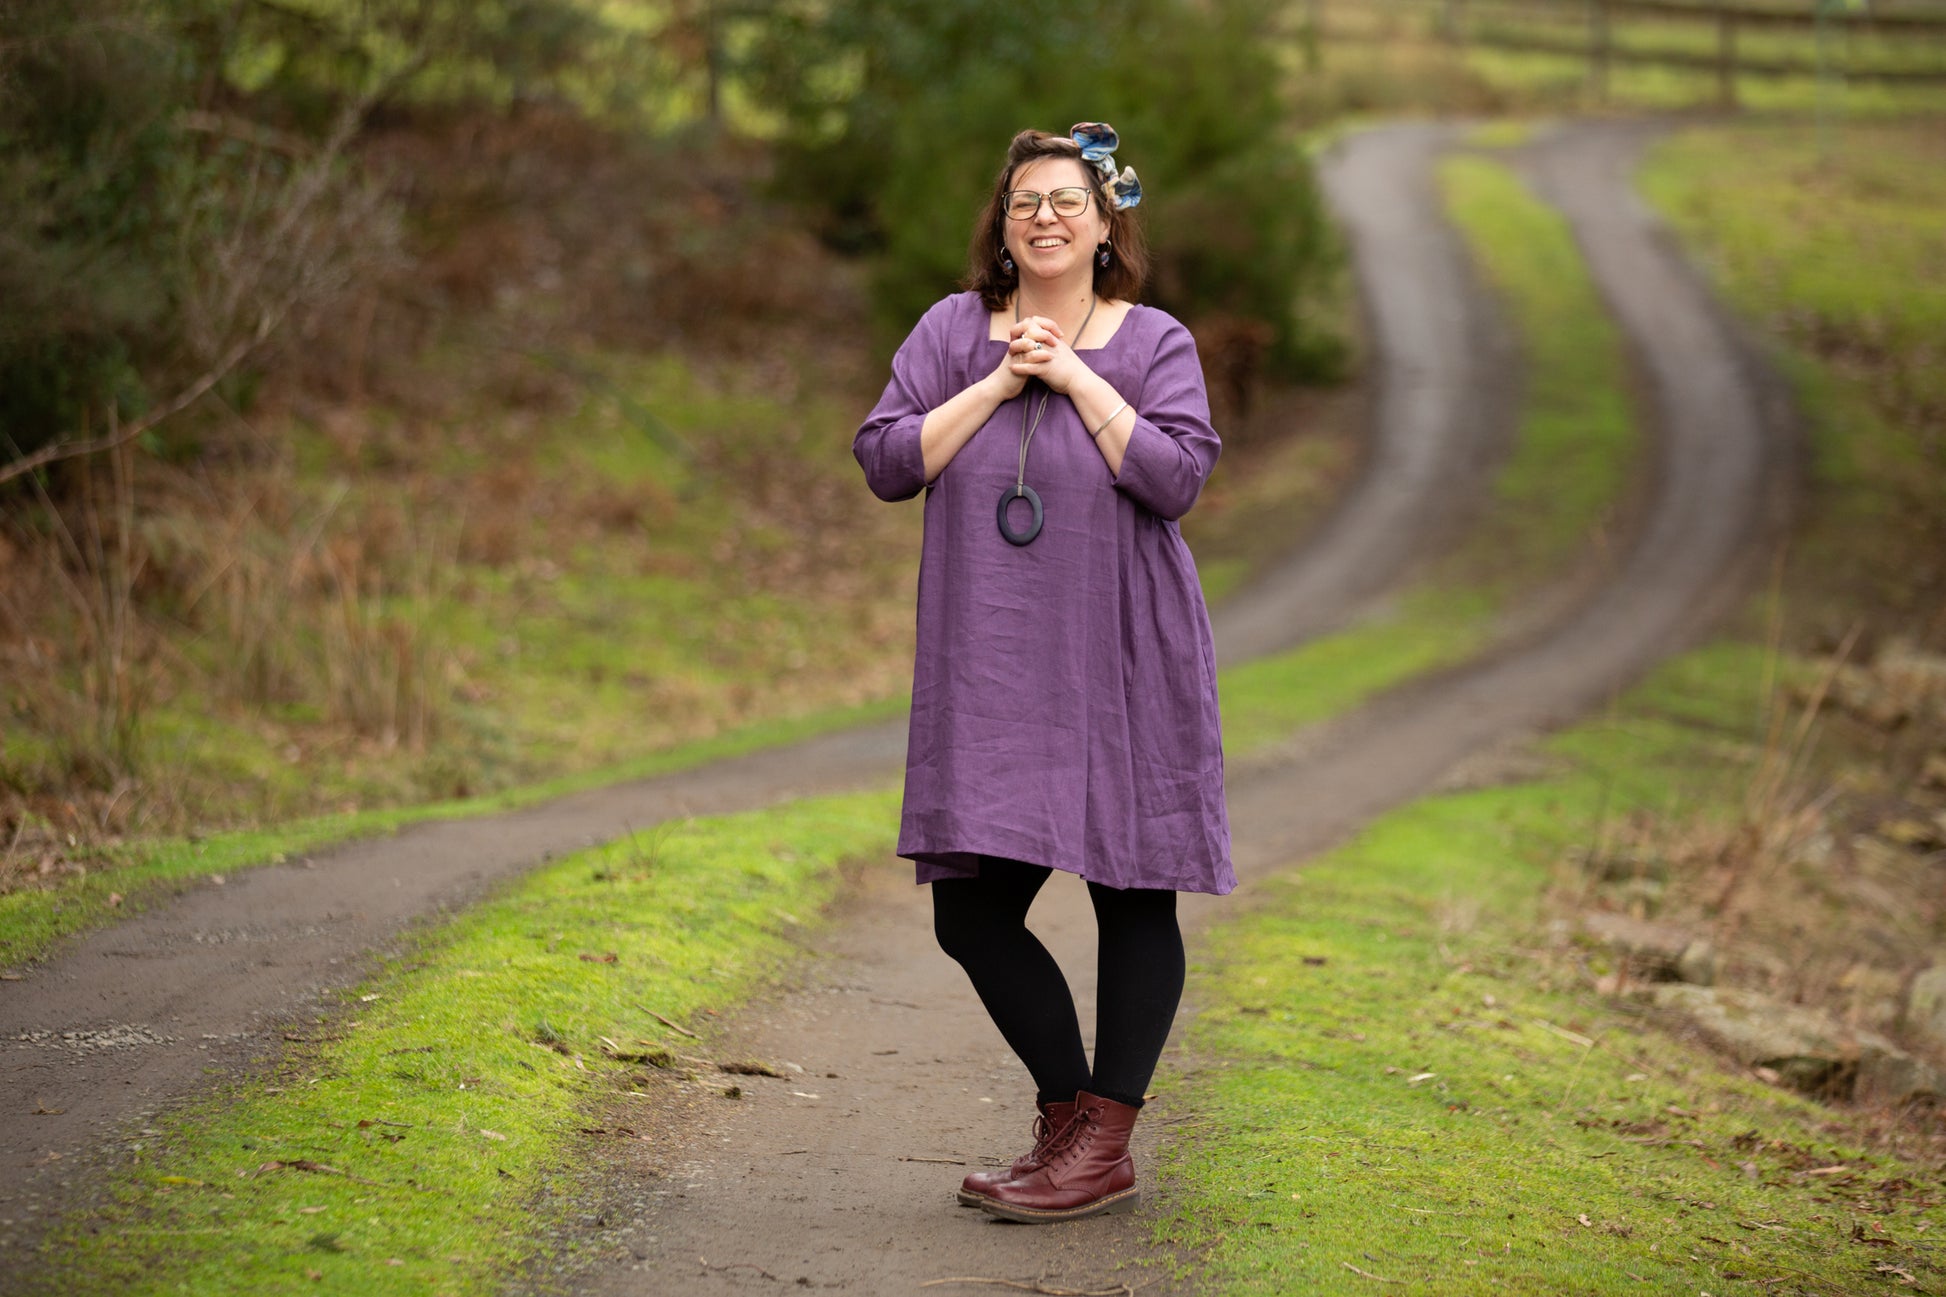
(1053, 361)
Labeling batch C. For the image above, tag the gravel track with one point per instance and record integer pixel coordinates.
(816, 1192)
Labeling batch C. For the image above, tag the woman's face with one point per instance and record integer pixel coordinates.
(1047, 246)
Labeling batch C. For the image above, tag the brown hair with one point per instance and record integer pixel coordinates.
(988, 276)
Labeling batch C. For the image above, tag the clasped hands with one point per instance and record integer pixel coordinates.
(1036, 348)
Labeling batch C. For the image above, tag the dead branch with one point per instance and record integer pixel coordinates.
(1046, 1290)
(665, 1022)
(126, 433)
(1368, 1274)
(304, 193)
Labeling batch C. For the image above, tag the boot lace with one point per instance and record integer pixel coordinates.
(1073, 1139)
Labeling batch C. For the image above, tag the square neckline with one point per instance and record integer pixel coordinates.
(1120, 327)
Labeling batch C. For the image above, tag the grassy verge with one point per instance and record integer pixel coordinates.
(1403, 1081)
(1840, 261)
(389, 607)
(1395, 1082)
(1552, 501)
(405, 1151)
(31, 921)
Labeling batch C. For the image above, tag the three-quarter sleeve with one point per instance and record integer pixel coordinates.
(887, 445)
(1172, 447)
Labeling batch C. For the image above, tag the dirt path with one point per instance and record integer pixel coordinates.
(130, 1018)
(851, 1189)
(1443, 405)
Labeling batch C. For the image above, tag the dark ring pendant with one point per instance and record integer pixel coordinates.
(1033, 528)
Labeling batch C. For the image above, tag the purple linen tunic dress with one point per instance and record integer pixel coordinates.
(1064, 693)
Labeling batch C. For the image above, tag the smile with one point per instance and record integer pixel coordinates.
(1046, 243)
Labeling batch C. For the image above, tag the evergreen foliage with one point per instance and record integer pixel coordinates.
(169, 186)
(900, 114)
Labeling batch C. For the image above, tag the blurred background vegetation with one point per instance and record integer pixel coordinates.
(407, 399)
(466, 388)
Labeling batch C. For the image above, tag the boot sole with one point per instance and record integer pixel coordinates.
(973, 1199)
(1126, 1200)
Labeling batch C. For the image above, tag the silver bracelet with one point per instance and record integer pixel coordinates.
(1096, 434)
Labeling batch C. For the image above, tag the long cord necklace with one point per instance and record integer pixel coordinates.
(1028, 428)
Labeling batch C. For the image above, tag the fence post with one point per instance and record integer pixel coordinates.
(1598, 50)
(1313, 35)
(1726, 55)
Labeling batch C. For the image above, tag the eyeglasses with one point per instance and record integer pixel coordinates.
(1025, 204)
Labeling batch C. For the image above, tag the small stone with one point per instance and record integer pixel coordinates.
(1895, 1077)
(1697, 963)
(1807, 1050)
(1925, 1007)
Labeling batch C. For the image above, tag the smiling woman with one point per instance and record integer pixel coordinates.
(1064, 712)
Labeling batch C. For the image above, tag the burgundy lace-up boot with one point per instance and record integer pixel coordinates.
(1084, 1172)
(1053, 1118)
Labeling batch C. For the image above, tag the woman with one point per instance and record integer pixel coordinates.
(1064, 692)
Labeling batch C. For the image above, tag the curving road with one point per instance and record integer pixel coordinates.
(815, 1190)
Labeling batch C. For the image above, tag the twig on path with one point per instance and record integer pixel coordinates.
(1368, 1274)
(1046, 1290)
(737, 1265)
(942, 1161)
(317, 1168)
(665, 1022)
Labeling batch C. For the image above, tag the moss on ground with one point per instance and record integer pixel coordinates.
(402, 1146)
(1396, 1076)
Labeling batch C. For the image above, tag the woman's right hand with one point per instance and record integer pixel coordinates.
(1027, 338)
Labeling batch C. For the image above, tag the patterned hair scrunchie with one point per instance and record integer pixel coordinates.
(1098, 143)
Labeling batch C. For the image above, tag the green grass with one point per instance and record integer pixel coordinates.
(1398, 1078)
(611, 564)
(1562, 485)
(1266, 701)
(1389, 57)
(450, 1094)
(1388, 1071)
(139, 875)
(1839, 258)
(1553, 499)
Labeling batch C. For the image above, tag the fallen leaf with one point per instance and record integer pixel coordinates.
(493, 1134)
(1583, 1218)
(49, 1112)
(606, 957)
(1423, 1076)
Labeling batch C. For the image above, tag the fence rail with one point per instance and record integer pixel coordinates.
(1606, 32)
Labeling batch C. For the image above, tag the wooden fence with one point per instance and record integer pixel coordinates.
(1885, 45)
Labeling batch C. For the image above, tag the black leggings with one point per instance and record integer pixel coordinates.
(982, 923)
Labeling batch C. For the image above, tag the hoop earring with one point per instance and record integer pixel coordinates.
(1101, 255)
